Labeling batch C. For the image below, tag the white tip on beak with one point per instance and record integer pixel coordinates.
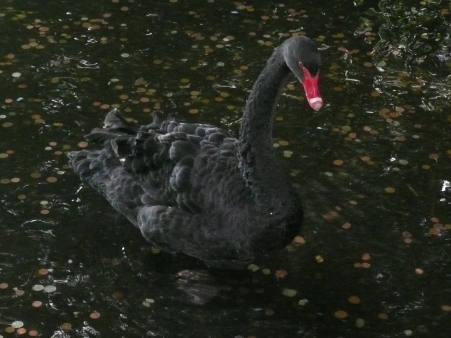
(316, 103)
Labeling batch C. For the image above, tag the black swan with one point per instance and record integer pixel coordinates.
(193, 188)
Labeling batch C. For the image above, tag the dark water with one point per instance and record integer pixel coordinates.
(378, 226)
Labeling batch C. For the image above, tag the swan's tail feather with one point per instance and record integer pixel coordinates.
(158, 118)
(115, 120)
(103, 136)
(115, 125)
(122, 146)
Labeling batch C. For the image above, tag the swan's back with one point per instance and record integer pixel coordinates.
(180, 184)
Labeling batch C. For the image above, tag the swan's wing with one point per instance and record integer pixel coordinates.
(150, 165)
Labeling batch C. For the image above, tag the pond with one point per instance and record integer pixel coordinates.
(373, 168)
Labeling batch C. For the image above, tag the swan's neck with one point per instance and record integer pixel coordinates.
(257, 161)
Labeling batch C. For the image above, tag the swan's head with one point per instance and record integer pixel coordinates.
(302, 57)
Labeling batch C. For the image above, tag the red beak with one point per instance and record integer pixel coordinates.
(311, 88)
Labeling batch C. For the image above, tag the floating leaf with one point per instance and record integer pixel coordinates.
(302, 302)
(253, 267)
(359, 322)
(17, 324)
(289, 292)
(340, 314)
(354, 300)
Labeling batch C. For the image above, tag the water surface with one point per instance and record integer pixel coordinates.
(373, 168)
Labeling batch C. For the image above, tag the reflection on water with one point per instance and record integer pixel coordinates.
(373, 168)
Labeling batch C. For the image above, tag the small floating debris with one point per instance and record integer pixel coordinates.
(10, 329)
(382, 316)
(155, 250)
(148, 302)
(287, 153)
(21, 331)
(94, 315)
(359, 322)
(340, 314)
(289, 292)
(283, 143)
(43, 272)
(66, 326)
(38, 287)
(17, 324)
(299, 240)
(346, 226)
(253, 267)
(302, 302)
(281, 274)
(50, 288)
(319, 259)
